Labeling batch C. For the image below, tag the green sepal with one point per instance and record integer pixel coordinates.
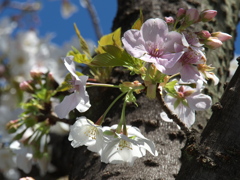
(130, 98)
(176, 103)
(109, 133)
(184, 102)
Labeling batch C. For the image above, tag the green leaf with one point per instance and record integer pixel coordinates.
(113, 38)
(65, 86)
(169, 87)
(41, 94)
(138, 23)
(82, 41)
(78, 57)
(115, 56)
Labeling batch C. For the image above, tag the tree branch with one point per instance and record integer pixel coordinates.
(94, 17)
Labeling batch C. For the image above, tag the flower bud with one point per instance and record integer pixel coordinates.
(207, 15)
(169, 20)
(35, 74)
(213, 43)
(25, 86)
(192, 16)
(203, 34)
(181, 13)
(221, 36)
(13, 125)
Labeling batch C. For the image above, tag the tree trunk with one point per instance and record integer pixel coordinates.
(219, 144)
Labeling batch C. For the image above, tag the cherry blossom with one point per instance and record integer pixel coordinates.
(122, 148)
(85, 132)
(186, 101)
(154, 43)
(79, 99)
(187, 64)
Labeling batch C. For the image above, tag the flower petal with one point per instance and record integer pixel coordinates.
(133, 43)
(199, 102)
(69, 103)
(153, 28)
(189, 72)
(69, 63)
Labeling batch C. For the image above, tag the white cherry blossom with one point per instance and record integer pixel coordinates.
(186, 101)
(79, 99)
(85, 132)
(120, 148)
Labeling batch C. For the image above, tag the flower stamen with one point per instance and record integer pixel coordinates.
(124, 144)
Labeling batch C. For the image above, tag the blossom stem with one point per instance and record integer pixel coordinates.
(122, 120)
(101, 119)
(88, 84)
(174, 75)
(170, 114)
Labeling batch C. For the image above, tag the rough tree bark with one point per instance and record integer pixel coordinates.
(217, 155)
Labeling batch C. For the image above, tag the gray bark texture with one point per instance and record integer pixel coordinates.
(213, 154)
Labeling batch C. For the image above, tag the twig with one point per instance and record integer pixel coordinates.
(94, 17)
(170, 114)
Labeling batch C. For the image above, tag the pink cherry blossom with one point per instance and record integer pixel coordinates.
(194, 55)
(154, 43)
(79, 99)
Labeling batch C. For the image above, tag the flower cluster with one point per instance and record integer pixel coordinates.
(172, 60)
(179, 51)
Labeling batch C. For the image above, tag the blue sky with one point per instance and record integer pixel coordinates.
(52, 21)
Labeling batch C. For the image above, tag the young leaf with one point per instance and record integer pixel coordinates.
(82, 41)
(138, 23)
(169, 87)
(78, 57)
(113, 38)
(65, 86)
